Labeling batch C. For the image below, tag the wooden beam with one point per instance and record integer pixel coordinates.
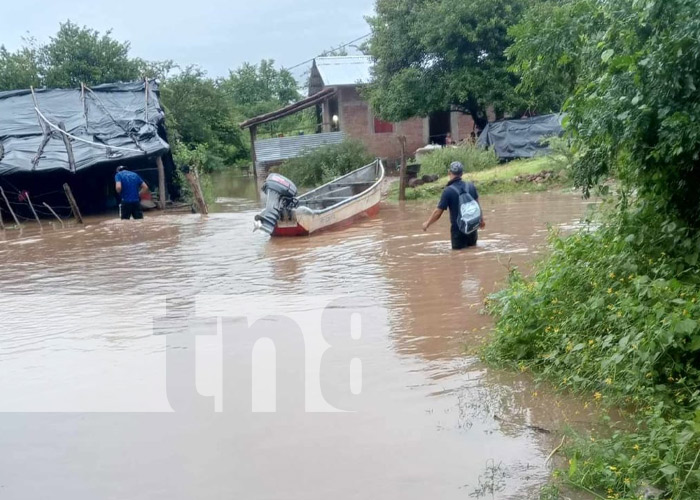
(69, 147)
(161, 182)
(73, 204)
(29, 201)
(291, 109)
(196, 187)
(402, 171)
(54, 213)
(9, 207)
(253, 153)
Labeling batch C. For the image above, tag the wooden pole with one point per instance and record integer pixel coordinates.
(161, 182)
(253, 154)
(54, 214)
(73, 204)
(2, 192)
(29, 201)
(2, 224)
(193, 179)
(69, 147)
(402, 171)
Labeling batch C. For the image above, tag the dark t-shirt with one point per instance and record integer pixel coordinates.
(131, 185)
(450, 197)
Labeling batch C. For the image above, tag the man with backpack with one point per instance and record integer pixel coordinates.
(466, 217)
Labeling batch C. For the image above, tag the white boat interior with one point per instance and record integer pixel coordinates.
(343, 188)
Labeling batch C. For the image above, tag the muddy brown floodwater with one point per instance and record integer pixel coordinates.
(129, 367)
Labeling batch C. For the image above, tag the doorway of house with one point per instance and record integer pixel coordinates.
(439, 126)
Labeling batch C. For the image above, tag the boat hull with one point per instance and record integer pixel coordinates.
(305, 221)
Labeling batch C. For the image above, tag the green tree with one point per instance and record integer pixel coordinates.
(433, 54)
(632, 67)
(78, 55)
(200, 113)
(20, 69)
(549, 47)
(255, 89)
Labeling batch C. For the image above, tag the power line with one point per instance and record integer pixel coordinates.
(329, 51)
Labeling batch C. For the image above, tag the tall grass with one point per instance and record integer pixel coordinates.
(326, 163)
(473, 158)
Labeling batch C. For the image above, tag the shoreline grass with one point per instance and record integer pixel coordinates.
(499, 179)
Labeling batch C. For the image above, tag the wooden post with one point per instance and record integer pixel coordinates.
(73, 204)
(253, 154)
(29, 200)
(69, 147)
(161, 182)
(402, 170)
(2, 192)
(2, 224)
(193, 179)
(54, 213)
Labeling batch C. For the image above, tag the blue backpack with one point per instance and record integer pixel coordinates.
(469, 217)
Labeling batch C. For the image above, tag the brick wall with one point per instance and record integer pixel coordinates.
(357, 121)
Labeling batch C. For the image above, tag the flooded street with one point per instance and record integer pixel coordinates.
(132, 356)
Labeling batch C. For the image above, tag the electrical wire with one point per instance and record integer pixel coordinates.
(329, 51)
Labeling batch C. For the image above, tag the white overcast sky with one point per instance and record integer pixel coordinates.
(215, 34)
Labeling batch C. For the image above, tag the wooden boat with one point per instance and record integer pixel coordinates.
(336, 204)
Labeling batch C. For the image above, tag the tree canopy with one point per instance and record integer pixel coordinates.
(631, 69)
(435, 54)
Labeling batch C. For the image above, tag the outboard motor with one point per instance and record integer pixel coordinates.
(281, 193)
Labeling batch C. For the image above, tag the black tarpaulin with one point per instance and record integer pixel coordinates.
(520, 138)
(109, 123)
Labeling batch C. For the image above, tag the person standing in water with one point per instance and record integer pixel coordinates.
(450, 199)
(130, 186)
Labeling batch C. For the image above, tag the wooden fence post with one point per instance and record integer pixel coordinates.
(196, 187)
(29, 201)
(9, 207)
(402, 170)
(54, 213)
(161, 182)
(73, 204)
(253, 154)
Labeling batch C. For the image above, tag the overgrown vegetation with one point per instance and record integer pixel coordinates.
(510, 177)
(612, 314)
(473, 158)
(326, 163)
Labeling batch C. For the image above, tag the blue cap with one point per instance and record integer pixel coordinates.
(456, 168)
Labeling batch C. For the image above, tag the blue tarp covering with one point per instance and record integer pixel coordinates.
(521, 138)
(110, 123)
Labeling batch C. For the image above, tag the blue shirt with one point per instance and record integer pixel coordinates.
(131, 185)
(450, 197)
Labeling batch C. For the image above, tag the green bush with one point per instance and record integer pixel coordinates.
(613, 312)
(473, 158)
(326, 163)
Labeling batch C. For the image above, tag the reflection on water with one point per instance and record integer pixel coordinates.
(431, 422)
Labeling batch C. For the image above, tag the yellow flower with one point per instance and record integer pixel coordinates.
(636, 447)
(591, 342)
(598, 396)
(627, 481)
(612, 468)
(612, 276)
(610, 290)
(556, 330)
(608, 381)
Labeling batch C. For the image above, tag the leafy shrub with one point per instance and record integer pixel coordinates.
(472, 157)
(614, 312)
(326, 163)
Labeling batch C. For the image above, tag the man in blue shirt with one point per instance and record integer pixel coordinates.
(130, 186)
(450, 199)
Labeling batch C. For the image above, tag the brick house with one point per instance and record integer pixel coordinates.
(346, 75)
(335, 90)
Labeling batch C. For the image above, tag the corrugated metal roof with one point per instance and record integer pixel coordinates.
(344, 70)
(279, 149)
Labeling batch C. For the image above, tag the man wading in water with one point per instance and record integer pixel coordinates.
(130, 185)
(451, 199)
